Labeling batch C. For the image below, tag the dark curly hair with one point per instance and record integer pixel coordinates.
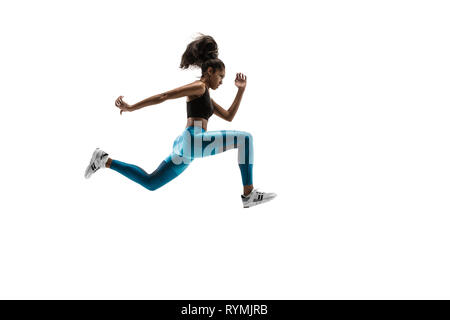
(203, 52)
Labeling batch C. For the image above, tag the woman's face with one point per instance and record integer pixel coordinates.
(216, 78)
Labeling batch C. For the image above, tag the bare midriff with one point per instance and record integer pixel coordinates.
(198, 122)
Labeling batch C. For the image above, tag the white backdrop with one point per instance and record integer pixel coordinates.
(348, 104)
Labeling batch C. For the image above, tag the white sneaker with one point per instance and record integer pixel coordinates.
(98, 161)
(256, 197)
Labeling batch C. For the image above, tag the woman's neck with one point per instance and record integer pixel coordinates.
(206, 83)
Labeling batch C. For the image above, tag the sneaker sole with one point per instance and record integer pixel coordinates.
(252, 204)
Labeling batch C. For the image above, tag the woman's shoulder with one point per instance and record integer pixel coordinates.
(197, 83)
(201, 83)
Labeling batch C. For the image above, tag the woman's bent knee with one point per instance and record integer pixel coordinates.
(152, 188)
(247, 135)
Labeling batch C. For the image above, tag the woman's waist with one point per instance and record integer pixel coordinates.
(197, 122)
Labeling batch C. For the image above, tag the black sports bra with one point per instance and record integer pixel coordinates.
(201, 107)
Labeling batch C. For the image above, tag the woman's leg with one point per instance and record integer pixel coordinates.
(166, 171)
(215, 142)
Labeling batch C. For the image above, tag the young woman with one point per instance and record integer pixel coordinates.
(195, 141)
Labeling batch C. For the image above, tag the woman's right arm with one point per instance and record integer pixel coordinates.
(191, 89)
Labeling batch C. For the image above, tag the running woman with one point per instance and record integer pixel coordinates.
(195, 141)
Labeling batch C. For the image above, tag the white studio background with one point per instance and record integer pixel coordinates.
(348, 104)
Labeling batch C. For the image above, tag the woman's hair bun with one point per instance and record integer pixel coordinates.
(202, 49)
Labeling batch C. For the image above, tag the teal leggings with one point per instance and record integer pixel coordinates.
(193, 143)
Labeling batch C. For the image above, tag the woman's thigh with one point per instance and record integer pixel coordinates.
(215, 142)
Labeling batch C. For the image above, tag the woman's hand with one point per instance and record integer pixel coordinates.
(122, 105)
(241, 80)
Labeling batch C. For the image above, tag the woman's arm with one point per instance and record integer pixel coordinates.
(229, 114)
(219, 111)
(194, 88)
(241, 83)
(156, 99)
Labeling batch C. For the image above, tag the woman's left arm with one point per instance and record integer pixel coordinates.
(241, 83)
